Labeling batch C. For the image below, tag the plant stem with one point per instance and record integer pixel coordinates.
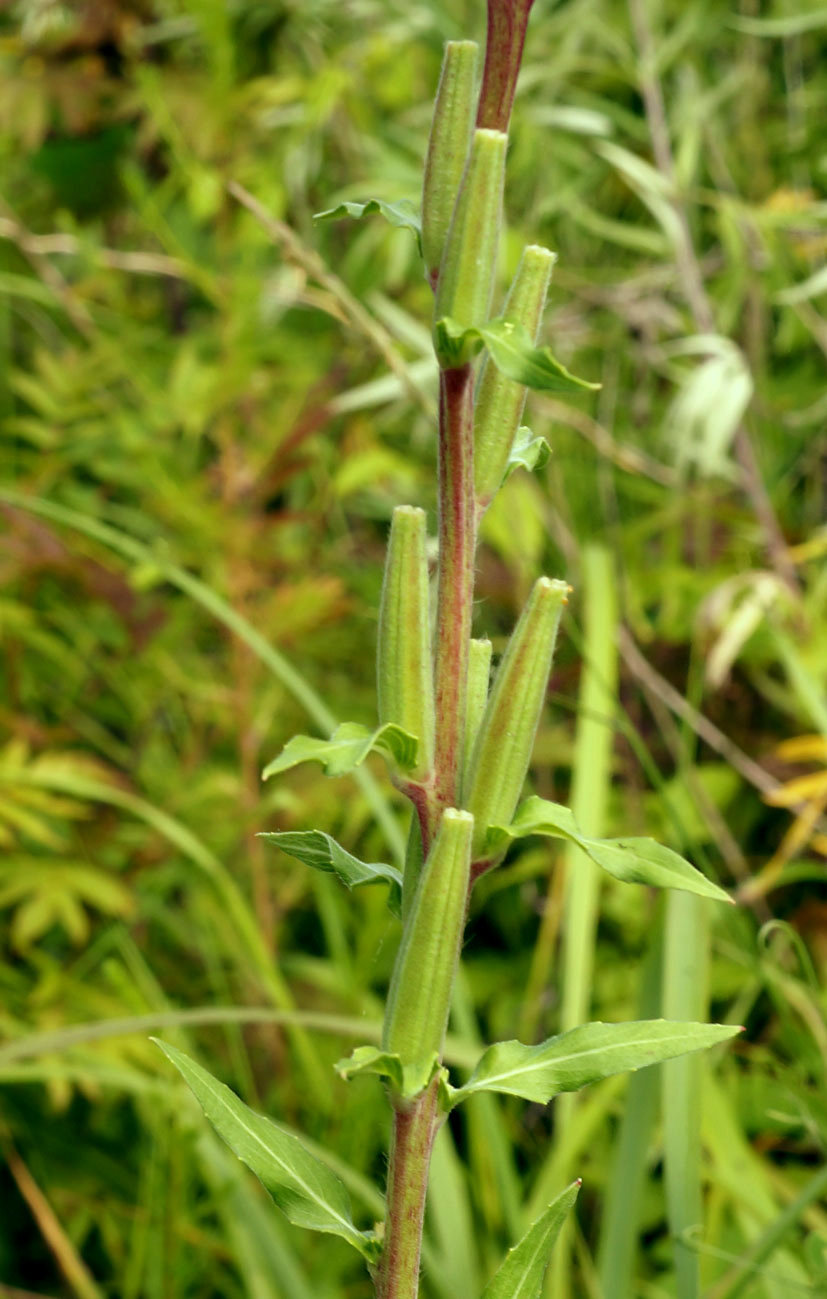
(457, 539)
(507, 24)
(414, 1128)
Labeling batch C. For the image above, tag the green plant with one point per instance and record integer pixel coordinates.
(458, 751)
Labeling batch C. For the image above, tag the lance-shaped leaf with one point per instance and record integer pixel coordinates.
(521, 1273)
(466, 274)
(499, 400)
(304, 1188)
(405, 1080)
(347, 748)
(503, 747)
(634, 860)
(512, 351)
(404, 665)
(403, 214)
(447, 148)
(419, 997)
(585, 1055)
(323, 853)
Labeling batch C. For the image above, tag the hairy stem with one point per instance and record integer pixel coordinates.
(414, 1128)
(507, 24)
(457, 539)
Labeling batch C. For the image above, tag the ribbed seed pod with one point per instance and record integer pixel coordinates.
(499, 403)
(469, 262)
(479, 674)
(447, 148)
(506, 737)
(420, 993)
(404, 667)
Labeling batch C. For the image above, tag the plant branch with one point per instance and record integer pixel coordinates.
(455, 592)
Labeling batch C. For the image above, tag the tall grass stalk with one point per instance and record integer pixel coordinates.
(591, 781)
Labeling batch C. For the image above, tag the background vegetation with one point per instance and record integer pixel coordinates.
(208, 414)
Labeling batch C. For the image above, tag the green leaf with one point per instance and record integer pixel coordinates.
(402, 214)
(527, 452)
(323, 853)
(406, 1080)
(585, 1055)
(302, 1186)
(347, 748)
(812, 287)
(520, 1275)
(789, 25)
(512, 350)
(635, 860)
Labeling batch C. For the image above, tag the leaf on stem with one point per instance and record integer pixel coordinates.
(512, 350)
(585, 1055)
(402, 214)
(520, 1275)
(406, 1081)
(527, 452)
(304, 1188)
(323, 853)
(635, 860)
(347, 748)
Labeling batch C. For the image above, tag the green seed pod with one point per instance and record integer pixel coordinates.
(466, 274)
(420, 993)
(506, 737)
(499, 403)
(447, 148)
(479, 672)
(413, 864)
(404, 667)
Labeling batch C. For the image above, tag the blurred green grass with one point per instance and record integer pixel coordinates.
(172, 369)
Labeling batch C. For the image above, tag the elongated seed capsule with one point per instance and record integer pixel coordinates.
(506, 737)
(499, 402)
(413, 865)
(466, 273)
(404, 667)
(420, 993)
(447, 148)
(479, 673)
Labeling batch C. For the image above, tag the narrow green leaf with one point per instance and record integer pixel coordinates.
(585, 1055)
(635, 860)
(787, 25)
(302, 1186)
(812, 287)
(402, 214)
(527, 452)
(347, 748)
(406, 1080)
(323, 853)
(520, 1275)
(512, 350)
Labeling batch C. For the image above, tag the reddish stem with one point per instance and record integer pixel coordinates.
(455, 592)
(507, 22)
(414, 1128)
